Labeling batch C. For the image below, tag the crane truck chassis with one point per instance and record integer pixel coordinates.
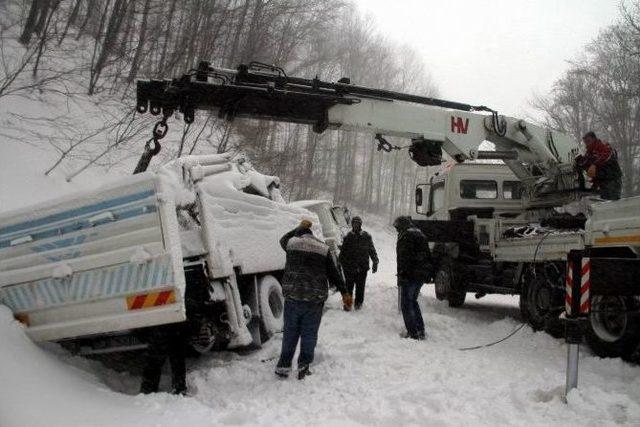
(592, 266)
(473, 210)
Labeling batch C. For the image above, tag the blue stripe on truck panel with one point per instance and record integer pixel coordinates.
(87, 285)
(84, 210)
(75, 226)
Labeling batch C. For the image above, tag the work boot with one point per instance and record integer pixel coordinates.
(303, 372)
(347, 302)
(179, 391)
(282, 373)
(358, 307)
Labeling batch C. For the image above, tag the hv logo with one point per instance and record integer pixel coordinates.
(459, 125)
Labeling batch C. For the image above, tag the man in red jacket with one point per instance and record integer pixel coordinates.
(601, 164)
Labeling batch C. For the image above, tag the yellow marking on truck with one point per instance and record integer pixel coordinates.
(633, 238)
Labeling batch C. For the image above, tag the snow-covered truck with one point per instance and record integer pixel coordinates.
(488, 242)
(197, 241)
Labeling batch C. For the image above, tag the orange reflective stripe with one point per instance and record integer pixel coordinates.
(153, 299)
(633, 238)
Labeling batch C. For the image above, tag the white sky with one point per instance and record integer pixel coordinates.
(497, 53)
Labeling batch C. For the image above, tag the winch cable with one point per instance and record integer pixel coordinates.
(522, 324)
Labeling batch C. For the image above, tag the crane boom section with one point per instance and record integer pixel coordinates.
(542, 158)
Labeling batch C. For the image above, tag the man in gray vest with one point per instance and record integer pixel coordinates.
(308, 269)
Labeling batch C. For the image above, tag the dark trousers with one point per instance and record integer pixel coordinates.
(411, 313)
(165, 342)
(610, 189)
(356, 279)
(301, 323)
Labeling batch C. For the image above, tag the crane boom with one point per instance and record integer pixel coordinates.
(542, 158)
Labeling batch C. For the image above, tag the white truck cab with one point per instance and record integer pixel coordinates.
(334, 220)
(468, 187)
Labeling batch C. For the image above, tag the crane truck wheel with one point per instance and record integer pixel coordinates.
(271, 305)
(539, 302)
(614, 328)
(447, 284)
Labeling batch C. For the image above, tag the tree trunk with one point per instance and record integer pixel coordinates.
(142, 38)
(32, 19)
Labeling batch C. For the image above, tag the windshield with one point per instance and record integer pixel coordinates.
(478, 189)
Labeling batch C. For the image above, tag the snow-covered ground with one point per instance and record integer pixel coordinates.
(365, 374)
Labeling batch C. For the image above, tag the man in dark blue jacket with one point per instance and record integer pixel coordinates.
(308, 269)
(357, 248)
(414, 269)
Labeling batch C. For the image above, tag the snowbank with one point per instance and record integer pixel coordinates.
(37, 389)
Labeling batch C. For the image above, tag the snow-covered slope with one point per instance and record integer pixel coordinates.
(22, 178)
(365, 374)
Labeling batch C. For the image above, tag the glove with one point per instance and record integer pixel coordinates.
(374, 268)
(591, 171)
(347, 300)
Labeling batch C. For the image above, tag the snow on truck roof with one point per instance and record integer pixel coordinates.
(310, 203)
(246, 208)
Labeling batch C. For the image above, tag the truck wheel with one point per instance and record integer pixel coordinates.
(441, 285)
(536, 302)
(614, 331)
(203, 340)
(447, 285)
(271, 305)
(542, 297)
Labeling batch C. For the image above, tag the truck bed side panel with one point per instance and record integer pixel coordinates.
(94, 262)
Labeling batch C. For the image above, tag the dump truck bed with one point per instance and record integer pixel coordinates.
(94, 262)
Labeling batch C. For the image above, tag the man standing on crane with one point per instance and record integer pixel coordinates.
(601, 163)
(357, 248)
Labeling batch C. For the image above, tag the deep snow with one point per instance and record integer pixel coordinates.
(365, 374)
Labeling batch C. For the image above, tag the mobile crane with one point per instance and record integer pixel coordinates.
(595, 263)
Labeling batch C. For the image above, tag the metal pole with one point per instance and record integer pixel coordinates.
(573, 355)
(573, 321)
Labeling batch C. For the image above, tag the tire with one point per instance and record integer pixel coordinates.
(448, 285)
(271, 305)
(203, 339)
(613, 331)
(539, 301)
(440, 283)
(456, 298)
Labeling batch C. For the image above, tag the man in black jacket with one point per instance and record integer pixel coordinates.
(308, 268)
(357, 248)
(414, 269)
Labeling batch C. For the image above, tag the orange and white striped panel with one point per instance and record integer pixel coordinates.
(569, 288)
(151, 299)
(585, 284)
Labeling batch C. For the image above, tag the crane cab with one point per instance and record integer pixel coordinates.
(457, 191)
